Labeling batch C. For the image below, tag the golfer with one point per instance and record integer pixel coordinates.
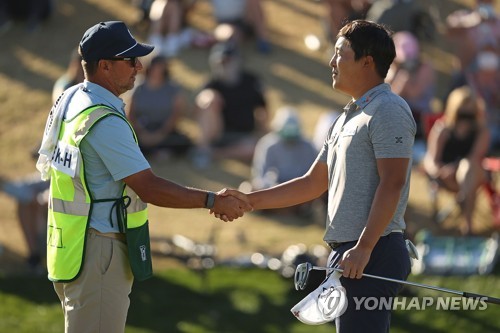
(365, 165)
(100, 182)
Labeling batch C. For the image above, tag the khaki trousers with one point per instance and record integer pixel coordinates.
(98, 300)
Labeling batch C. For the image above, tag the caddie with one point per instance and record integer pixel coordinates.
(100, 182)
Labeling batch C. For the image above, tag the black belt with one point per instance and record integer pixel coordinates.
(334, 245)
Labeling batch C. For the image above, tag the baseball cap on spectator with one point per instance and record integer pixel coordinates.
(111, 39)
(286, 123)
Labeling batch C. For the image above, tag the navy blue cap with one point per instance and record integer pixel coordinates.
(111, 39)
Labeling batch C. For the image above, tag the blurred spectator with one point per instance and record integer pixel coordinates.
(281, 155)
(323, 124)
(72, 76)
(31, 196)
(338, 12)
(483, 75)
(155, 108)
(33, 12)
(232, 112)
(457, 144)
(5, 17)
(247, 16)
(144, 7)
(412, 78)
(169, 30)
(472, 30)
(403, 15)
(485, 80)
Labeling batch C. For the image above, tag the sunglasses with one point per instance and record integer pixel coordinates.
(133, 60)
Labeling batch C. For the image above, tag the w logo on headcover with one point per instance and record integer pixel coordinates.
(331, 302)
(325, 303)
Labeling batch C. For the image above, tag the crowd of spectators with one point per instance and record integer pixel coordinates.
(231, 110)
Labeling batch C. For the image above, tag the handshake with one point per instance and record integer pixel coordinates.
(230, 204)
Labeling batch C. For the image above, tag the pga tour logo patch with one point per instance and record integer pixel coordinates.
(142, 248)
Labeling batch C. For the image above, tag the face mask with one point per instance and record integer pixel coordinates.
(323, 304)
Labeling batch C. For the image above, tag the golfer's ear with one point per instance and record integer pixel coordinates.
(368, 61)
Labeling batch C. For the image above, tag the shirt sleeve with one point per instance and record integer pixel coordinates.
(323, 153)
(392, 130)
(114, 142)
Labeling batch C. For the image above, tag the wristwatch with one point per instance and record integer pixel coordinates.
(210, 200)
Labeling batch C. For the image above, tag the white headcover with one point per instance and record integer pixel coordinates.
(323, 304)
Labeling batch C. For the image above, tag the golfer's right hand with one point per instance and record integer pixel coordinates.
(239, 201)
(229, 206)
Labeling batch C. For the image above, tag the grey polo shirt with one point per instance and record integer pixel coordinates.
(378, 125)
(109, 151)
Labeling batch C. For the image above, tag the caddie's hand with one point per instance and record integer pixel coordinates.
(354, 261)
(235, 193)
(229, 207)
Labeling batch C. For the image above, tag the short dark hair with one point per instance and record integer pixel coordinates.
(159, 60)
(371, 39)
(89, 67)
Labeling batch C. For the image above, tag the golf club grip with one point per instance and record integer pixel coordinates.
(487, 299)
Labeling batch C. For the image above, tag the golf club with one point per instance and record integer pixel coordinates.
(303, 269)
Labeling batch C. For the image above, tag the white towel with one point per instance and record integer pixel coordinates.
(51, 133)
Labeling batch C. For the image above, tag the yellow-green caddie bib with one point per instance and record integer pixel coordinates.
(70, 202)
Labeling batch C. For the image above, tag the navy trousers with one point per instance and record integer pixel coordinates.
(389, 258)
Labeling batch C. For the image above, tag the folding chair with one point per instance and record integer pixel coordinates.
(492, 165)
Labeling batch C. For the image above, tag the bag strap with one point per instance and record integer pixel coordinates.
(120, 207)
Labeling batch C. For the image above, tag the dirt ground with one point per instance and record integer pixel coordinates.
(30, 62)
